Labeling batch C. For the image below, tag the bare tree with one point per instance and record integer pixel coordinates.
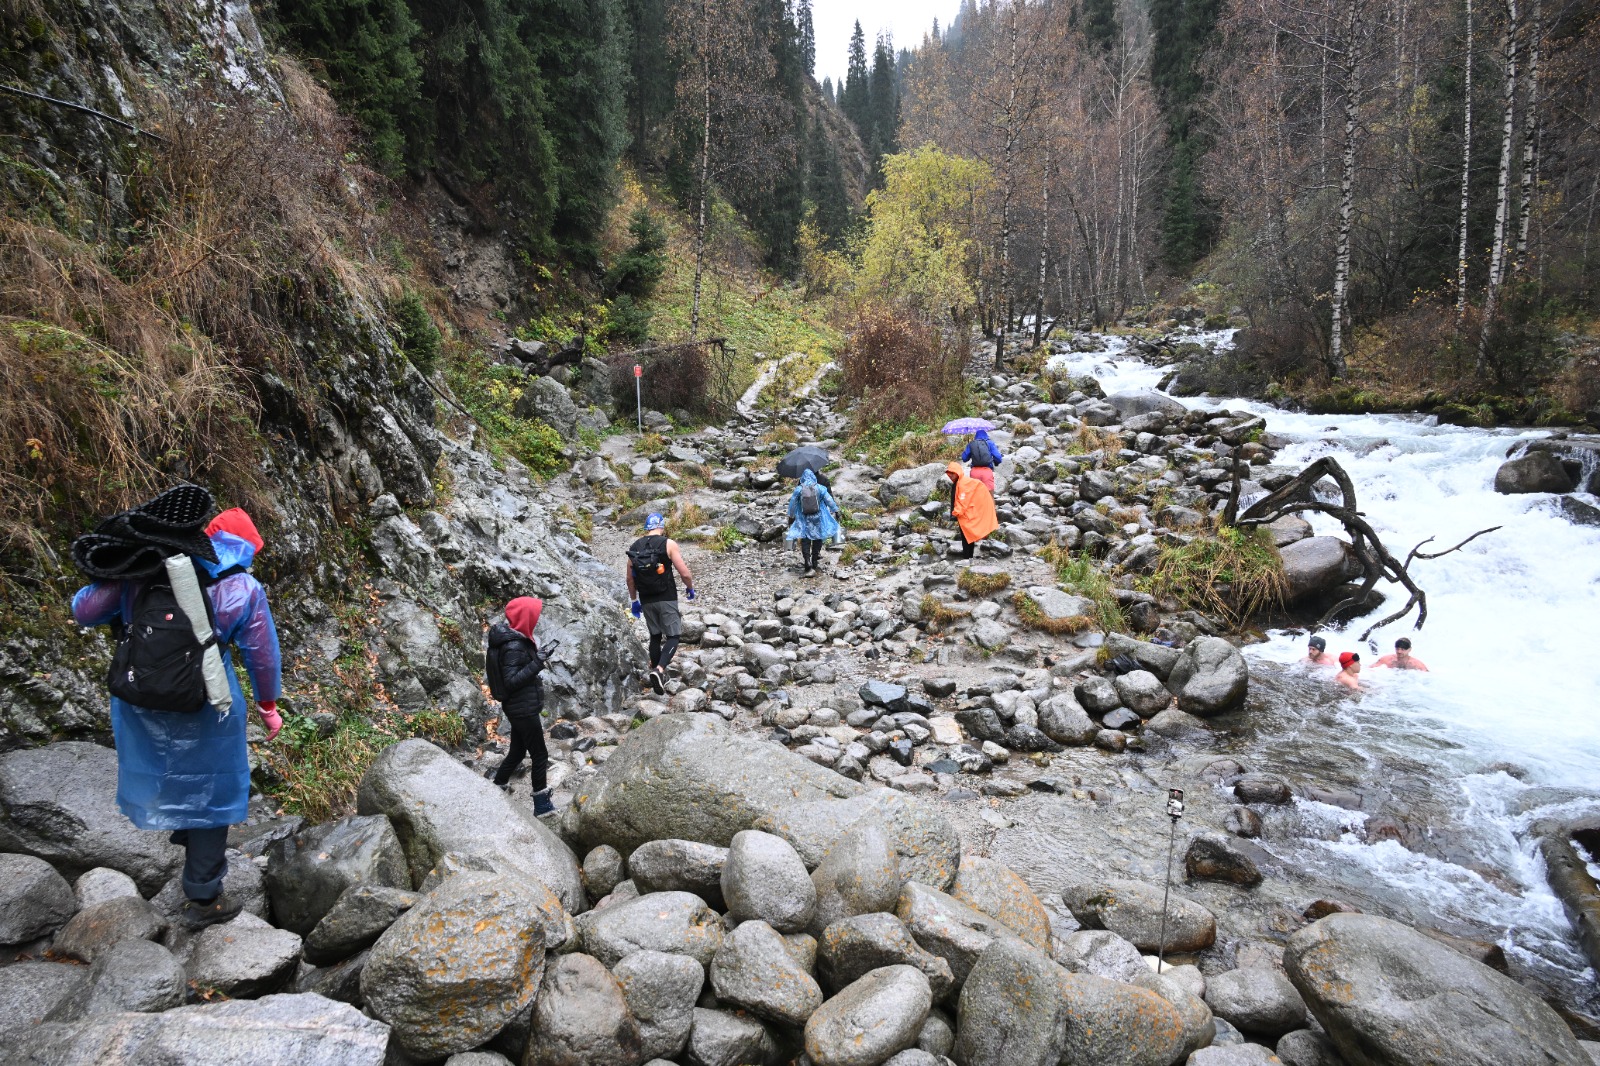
(1466, 176)
(1354, 33)
(1497, 257)
(1530, 136)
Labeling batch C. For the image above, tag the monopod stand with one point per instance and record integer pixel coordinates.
(1174, 812)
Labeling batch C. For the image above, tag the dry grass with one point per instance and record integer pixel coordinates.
(978, 584)
(782, 434)
(938, 615)
(1094, 439)
(126, 365)
(899, 369)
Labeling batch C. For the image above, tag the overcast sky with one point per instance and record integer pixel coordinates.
(906, 20)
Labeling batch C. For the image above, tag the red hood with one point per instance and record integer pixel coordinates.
(522, 614)
(234, 520)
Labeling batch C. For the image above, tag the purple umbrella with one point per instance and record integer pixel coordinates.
(966, 425)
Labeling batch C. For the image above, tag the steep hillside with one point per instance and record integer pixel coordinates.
(224, 296)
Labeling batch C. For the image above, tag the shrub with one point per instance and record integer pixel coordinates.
(419, 338)
(899, 369)
(638, 271)
(1232, 573)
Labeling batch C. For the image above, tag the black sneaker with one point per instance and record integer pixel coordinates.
(658, 681)
(542, 804)
(197, 914)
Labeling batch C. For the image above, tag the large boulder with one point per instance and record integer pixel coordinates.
(725, 1038)
(244, 958)
(927, 847)
(661, 991)
(1199, 1026)
(1012, 1012)
(916, 484)
(457, 967)
(871, 1020)
(996, 890)
(34, 899)
(132, 975)
(691, 776)
(1210, 677)
(549, 401)
(1316, 565)
(1387, 995)
(1258, 1000)
(30, 991)
(97, 927)
(355, 922)
(765, 879)
(860, 874)
(754, 970)
(1102, 953)
(1145, 401)
(1113, 1024)
(1156, 658)
(60, 804)
(1132, 910)
(437, 805)
(853, 947)
(1534, 472)
(1064, 721)
(1142, 693)
(307, 1030)
(677, 923)
(582, 1018)
(679, 866)
(308, 871)
(948, 928)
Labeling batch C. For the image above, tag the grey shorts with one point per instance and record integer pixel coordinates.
(662, 619)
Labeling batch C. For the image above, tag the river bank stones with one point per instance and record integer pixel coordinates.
(1012, 1012)
(134, 975)
(457, 967)
(1209, 677)
(870, 1020)
(677, 923)
(1257, 1000)
(581, 1018)
(308, 871)
(765, 879)
(756, 971)
(1387, 995)
(853, 947)
(661, 991)
(993, 888)
(859, 874)
(679, 866)
(34, 899)
(1132, 910)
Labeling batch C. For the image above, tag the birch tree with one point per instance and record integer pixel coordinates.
(1502, 204)
(1466, 177)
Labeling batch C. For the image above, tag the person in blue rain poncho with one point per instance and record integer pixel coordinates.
(813, 520)
(189, 774)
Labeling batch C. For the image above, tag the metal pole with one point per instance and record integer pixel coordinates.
(1161, 951)
(638, 395)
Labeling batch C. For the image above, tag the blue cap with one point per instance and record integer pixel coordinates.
(654, 520)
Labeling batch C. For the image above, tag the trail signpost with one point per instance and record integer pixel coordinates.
(1174, 812)
(638, 393)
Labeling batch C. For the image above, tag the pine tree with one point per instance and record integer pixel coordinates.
(651, 82)
(1183, 31)
(808, 37)
(855, 99)
(825, 186)
(883, 106)
(827, 90)
(1097, 19)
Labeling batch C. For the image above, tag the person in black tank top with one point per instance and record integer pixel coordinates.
(652, 561)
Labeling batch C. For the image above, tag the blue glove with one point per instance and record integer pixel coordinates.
(691, 594)
(637, 608)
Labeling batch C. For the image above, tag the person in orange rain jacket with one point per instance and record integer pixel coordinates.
(972, 506)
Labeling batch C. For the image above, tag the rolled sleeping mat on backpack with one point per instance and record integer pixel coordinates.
(186, 590)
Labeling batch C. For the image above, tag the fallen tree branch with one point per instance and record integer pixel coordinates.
(69, 105)
(658, 349)
(1377, 563)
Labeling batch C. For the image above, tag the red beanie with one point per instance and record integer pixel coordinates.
(1348, 657)
(235, 521)
(523, 614)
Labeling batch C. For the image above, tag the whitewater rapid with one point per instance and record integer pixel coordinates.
(1505, 729)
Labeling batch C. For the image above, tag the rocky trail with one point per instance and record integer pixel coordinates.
(877, 811)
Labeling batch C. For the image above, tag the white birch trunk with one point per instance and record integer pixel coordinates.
(1530, 133)
(1497, 257)
(1466, 180)
(705, 181)
(1347, 179)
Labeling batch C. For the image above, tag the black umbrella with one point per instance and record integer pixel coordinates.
(805, 457)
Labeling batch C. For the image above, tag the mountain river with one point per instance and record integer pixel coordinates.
(1440, 776)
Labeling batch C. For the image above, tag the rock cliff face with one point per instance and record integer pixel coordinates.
(393, 535)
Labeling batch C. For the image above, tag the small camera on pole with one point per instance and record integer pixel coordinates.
(1174, 812)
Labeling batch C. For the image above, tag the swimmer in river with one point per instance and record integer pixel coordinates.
(1317, 652)
(1402, 659)
(1349, 674)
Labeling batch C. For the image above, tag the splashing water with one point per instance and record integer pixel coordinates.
(1502, 733)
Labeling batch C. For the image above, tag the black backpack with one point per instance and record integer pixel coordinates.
(810, 502)
(651, 566)
(981, 455)
(157, 664)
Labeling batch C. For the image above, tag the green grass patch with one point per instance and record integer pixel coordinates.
(1035, 618)
(1078, 575)
(1233, 574)
(316, 777)
(727, 539)
(938, 615)
(489, 391)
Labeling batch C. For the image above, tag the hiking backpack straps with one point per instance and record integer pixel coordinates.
(652, 569)
(158, 663)
(981, 455)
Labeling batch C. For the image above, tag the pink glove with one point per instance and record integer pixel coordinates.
(270, 717)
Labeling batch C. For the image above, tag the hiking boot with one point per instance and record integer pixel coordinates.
(197, 914)
(542, 804)
(658, 681)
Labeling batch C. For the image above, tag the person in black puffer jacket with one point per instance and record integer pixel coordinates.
(513, 665)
